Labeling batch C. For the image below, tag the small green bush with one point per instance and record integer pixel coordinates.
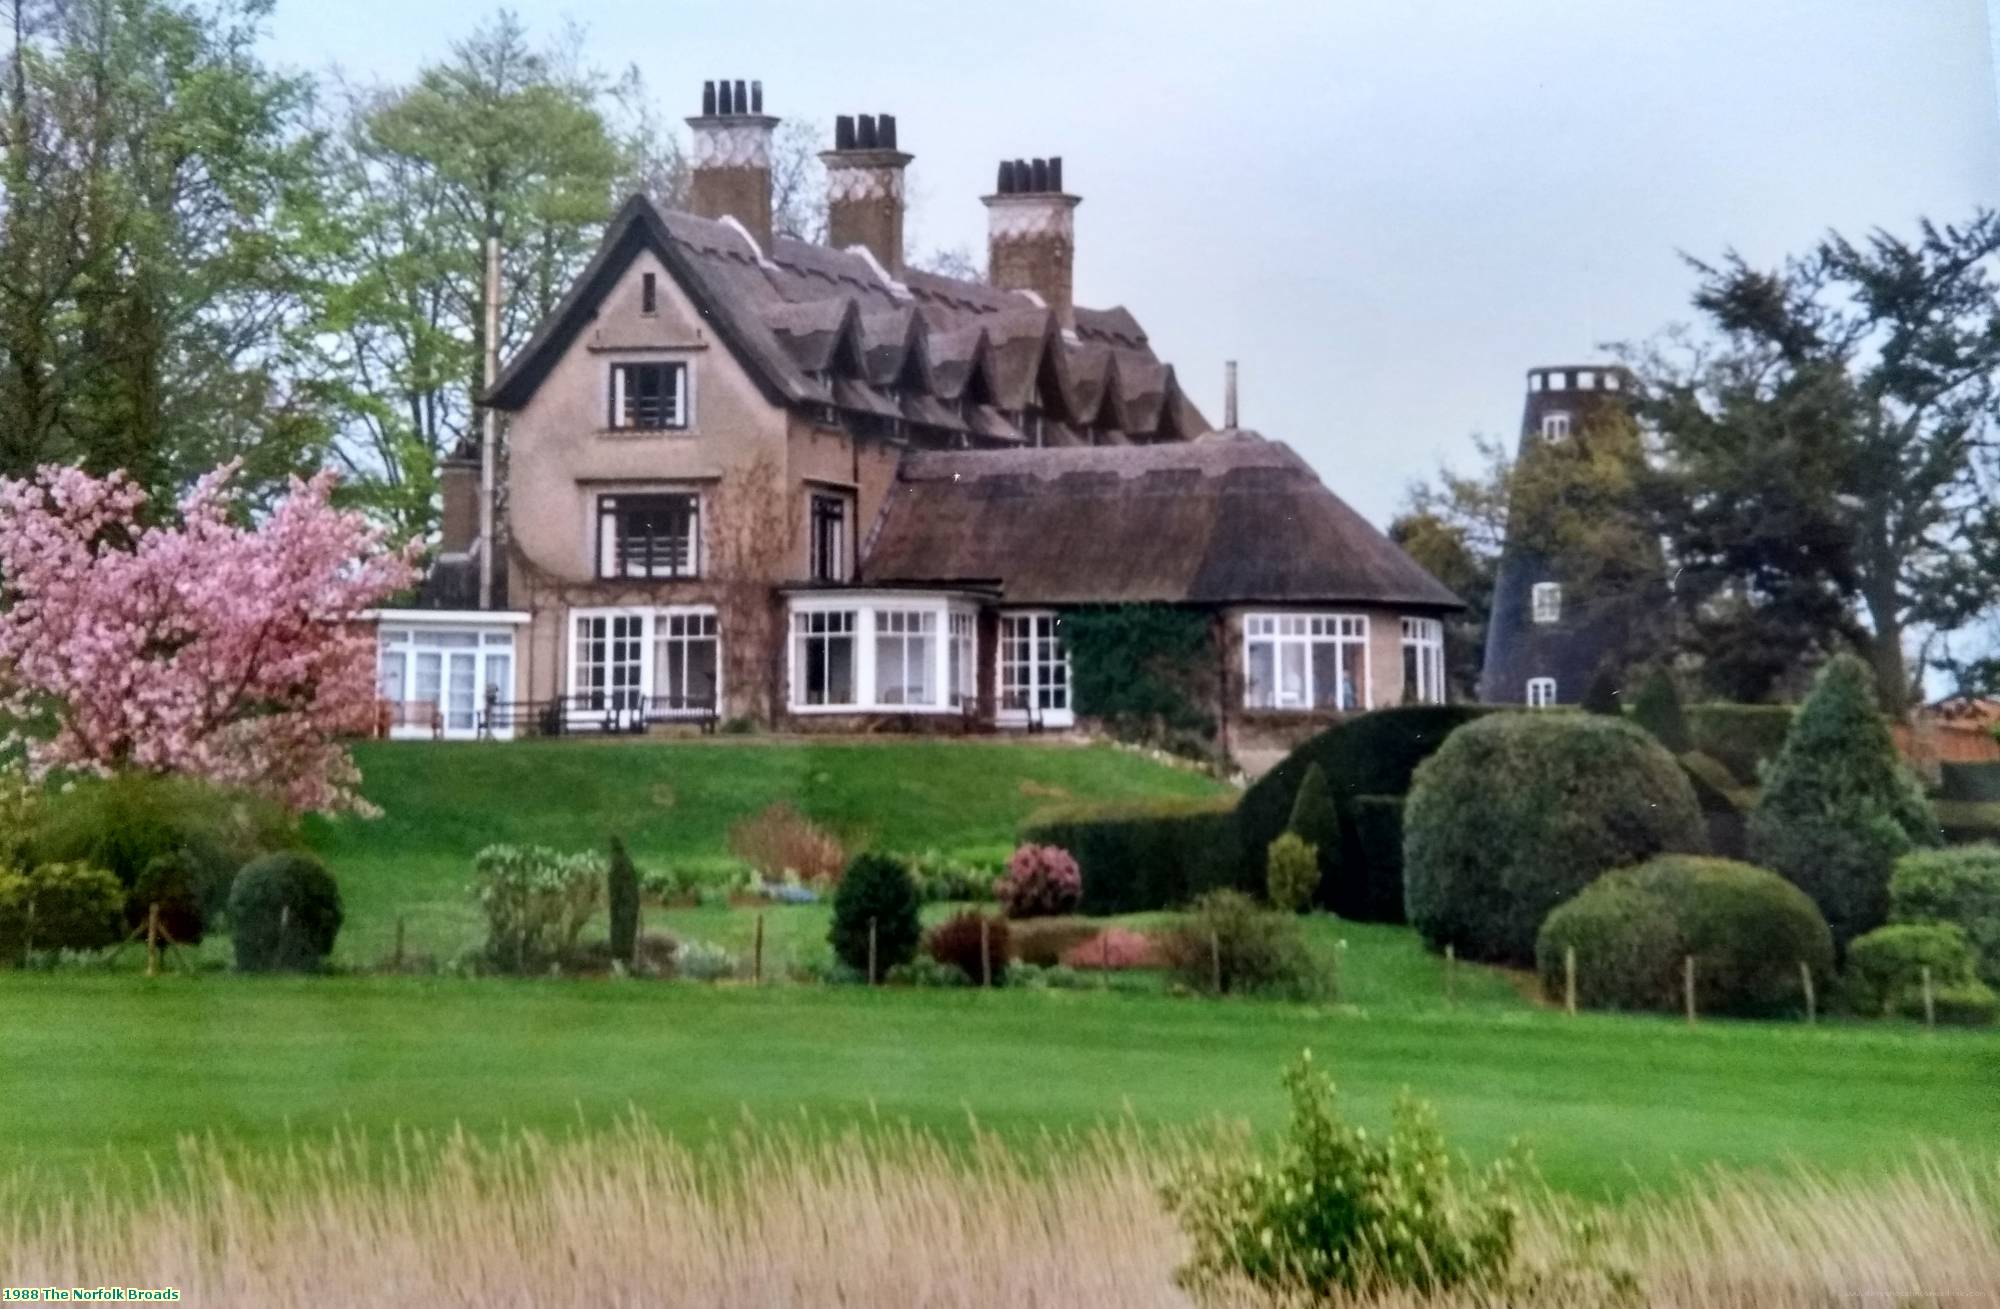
(1657, 709)
(1838, 808)
(1341, 1211)
(973, 942)
(1518, 812)
(928, 972)
(1316, 821)
(1966, 1004)
(1885, 964)
(1371, 885)
(1628, 947)
(1227, 938)
(284, 912)
(1291, 873)
(1149, 855)
(621, 894)
(59, 907)
(1744, 737)
(536, 903)
(877, 889)
(703, 961)
(1959, 886)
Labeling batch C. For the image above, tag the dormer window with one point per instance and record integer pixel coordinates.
(650, 396)
(1546, 600)
(649, 294)
(1555, 426)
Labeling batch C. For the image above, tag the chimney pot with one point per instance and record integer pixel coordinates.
(1021, 176)
(864, 134)
(1031, 234)
(1055, 173)
(742, 97)
(843, 132)
(1229, 395)
(1041, 170)
(756, 97)
(1004, 184)
(708, 99)
(723, 104)
(885, 130)
(731, 177)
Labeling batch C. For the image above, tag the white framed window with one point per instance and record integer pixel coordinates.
(687, 663)
(906, 657)
(607, 669)
(650, 395)
(1033, 670)
(1423, 661)
(1555, 425)
(1541, 692)
(859, 651)
(1546, 602)
(962, 658)
(823, 657)
(829, 518)
(1306, 661)
(441, 679)
(649, 534)
(646, 663)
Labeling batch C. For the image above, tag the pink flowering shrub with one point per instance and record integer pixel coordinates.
(1041, 881)
(191, 644)
(1114, 949)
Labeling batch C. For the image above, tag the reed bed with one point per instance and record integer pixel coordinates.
(777, 1217)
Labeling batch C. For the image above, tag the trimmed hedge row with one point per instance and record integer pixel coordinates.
(1977, 783)
(1151, 855)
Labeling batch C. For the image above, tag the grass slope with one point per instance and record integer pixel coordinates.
(672, 800)
(1606, 1103)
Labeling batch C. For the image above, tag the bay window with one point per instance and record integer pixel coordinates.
(823, 657)
(1423, 661)
(862, 652)
(905, 657)
(1305, 661)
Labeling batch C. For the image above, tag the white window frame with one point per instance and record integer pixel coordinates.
(682, 420)
(962, 658)
(1425, 636)
(1555, 424)
(943, 615)
(663, 636)
(486, 641)
(1304, 631)
(652, 632)
(1545, 602)
(605, 533)
(1541, 693)
(1046, 683)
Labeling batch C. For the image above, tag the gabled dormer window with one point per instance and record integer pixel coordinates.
(650, 396)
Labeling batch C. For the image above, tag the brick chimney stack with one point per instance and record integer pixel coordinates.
(864, 188)
(1031, 234)
(732, 157)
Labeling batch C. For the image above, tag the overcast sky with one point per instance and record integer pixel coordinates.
(1386, 211)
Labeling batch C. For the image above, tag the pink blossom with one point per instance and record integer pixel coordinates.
(201, 646)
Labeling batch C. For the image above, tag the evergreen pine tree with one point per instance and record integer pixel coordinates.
(875, 888)
(1316, 821)
(1838, 807)
(622, 897)
(1657, 708)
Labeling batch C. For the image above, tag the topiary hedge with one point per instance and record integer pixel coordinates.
(1974, 783)
(284, 912)
(1747, 929)
(1742, 736)
(1156, 855)
(1372, 754)
(876, 889)
(1518, 812)
(1886, 966)
(1372, 891)
(1960, 887)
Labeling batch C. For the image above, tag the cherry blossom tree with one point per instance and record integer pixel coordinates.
(192, 643)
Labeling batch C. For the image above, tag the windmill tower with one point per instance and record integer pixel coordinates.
(1545, 643)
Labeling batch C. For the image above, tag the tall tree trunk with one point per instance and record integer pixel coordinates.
(1885, 648)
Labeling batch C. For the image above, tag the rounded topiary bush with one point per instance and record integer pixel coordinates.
(1959, 886)
(284, 912)
(59, 907)
(1517, 812)
(875, 888)
(1747, 929)
(1887, 966)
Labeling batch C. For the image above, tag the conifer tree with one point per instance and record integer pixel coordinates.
(1657, 708)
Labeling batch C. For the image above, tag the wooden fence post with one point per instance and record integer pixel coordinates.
(757, 953)
(1451, 975)
(871, 952)
(1687, 985)
(985, 951)
(1569, 980)
(153, 939)
(1215, 961)
(1812, 999)
(1930, 1002)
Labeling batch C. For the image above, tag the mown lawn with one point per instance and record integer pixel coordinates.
(673, 800)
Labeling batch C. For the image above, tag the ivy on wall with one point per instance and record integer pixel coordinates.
(1147, 672)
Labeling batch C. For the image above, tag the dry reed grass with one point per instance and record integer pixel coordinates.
(781, 1218)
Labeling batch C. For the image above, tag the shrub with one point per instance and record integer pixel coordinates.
(1884, 964)
(1316, 821)
(1370, 888)
(703, 961)
(1042, 881)
(1291, 873)
(974, 943)
(173, 882)
(536, 903)
(1518, 812)
(125, 822)
(1372, 754)
(1226, 942)
(1115, 949)
(875, 888)
(1627, 943)
(621, 894)
(284, 912)
(1747, 929)
(1341, 1211)
(1974, 783)
(59, 907)
(960, 877)
(1838, 808)
(925, 971)
(1743, 737)
(1960, 886)
(1602, 695)
(1657, 709)
(1043, 942)
(781, 840)
(1149, 855)
(1966, 1004)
